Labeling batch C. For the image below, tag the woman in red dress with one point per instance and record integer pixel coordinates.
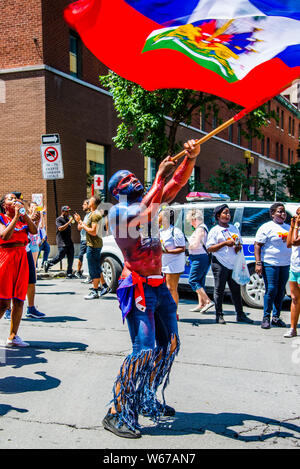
(14, 273)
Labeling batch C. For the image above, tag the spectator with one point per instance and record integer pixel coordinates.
(272, 260)
(44, 245)
(199, 259)
(173, 247)
(94, 245)
(64, 241)
(34, 240)
(293, 241)
(82, 252)
(224, 242)
(14, 272)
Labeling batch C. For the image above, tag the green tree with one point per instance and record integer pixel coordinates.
(291, 179)
(231, 180)
(151, 120)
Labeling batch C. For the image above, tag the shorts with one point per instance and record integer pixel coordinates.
(294, 277)
(93, 256)
(14, 273)
(32, 273)
(34, 248)
(82, 251)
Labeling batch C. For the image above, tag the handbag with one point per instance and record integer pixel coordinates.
(240, 273)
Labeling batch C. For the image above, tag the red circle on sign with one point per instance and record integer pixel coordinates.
(51, 154)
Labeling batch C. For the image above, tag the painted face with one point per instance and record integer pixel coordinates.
(126, 183)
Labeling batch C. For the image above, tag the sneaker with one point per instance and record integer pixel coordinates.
(291, 333)
(265, 324)
(87, 280)
(206, 307)
(110, 423)
(92, 295)
(278, 322)
(70, 276)
(16, 342)
(47, 266)
(197, 309)
(220, 319)
(34, 313)
(7, 314)
(78, 274)
(104, 291)
(244, 318)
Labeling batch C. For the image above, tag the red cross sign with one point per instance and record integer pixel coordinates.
(99, 181)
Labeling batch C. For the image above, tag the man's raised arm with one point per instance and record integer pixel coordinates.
(182, 173)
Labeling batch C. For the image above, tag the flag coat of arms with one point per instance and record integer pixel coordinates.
(246, 51)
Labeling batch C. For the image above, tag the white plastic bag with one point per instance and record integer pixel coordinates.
(240, 273)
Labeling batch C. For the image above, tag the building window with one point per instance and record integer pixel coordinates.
(239, 134)
(293, 127)
(202, 119)
(149, 171)
(292, 157)
(262, 148)
(278, 117)
(95, 166)
(281, 153)
(277, 151)
(289, 156)
(290, 125)
(268, 147)
(215, 121)
(282, 119)
(230, 133)
(75, 55)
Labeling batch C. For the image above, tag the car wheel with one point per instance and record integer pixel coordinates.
(111, 270)
(253, 292)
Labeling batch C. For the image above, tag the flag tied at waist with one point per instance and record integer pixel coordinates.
(131, 291)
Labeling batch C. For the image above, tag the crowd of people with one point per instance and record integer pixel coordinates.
(148, 286)
(277, 260)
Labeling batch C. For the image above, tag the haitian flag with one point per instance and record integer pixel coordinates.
(246, 51)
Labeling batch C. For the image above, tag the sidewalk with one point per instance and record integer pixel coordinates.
(57, 271)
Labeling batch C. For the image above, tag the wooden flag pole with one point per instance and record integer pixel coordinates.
(208, 136)
(226, 124)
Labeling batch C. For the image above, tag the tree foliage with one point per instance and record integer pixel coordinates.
(151, 120)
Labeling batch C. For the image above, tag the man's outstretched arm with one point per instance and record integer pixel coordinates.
(182, 173)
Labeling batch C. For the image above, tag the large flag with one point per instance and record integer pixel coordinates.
(246, 51)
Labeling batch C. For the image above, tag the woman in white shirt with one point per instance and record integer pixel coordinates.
(224, 242)
(199, 259)
(293, 241)
(272, 260)
(173, 246)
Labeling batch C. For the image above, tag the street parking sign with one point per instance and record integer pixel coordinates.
(52, 165)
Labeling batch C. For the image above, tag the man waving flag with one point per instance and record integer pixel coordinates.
(245, 51)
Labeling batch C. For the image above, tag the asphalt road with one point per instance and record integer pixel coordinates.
(233, 385)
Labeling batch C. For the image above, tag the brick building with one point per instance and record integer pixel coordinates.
(49, 84)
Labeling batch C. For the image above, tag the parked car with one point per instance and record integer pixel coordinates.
(247, 216)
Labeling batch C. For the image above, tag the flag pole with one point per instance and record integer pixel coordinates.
(223, 126)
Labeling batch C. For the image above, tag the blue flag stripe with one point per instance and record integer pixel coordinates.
(176, 12)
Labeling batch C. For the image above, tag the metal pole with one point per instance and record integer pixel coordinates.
(56, 209)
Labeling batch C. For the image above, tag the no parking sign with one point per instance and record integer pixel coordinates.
(52, 165)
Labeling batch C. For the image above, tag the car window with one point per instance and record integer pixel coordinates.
(253, 218)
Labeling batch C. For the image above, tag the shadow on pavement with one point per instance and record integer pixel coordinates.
(48, 319)
(4, 409)
(16, 385)
(18, 357)
(256, 428)
(59, 346)
(56, 293)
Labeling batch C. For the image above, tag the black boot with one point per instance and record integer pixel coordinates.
(220, 319)
(243, 318)
(111, 423)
